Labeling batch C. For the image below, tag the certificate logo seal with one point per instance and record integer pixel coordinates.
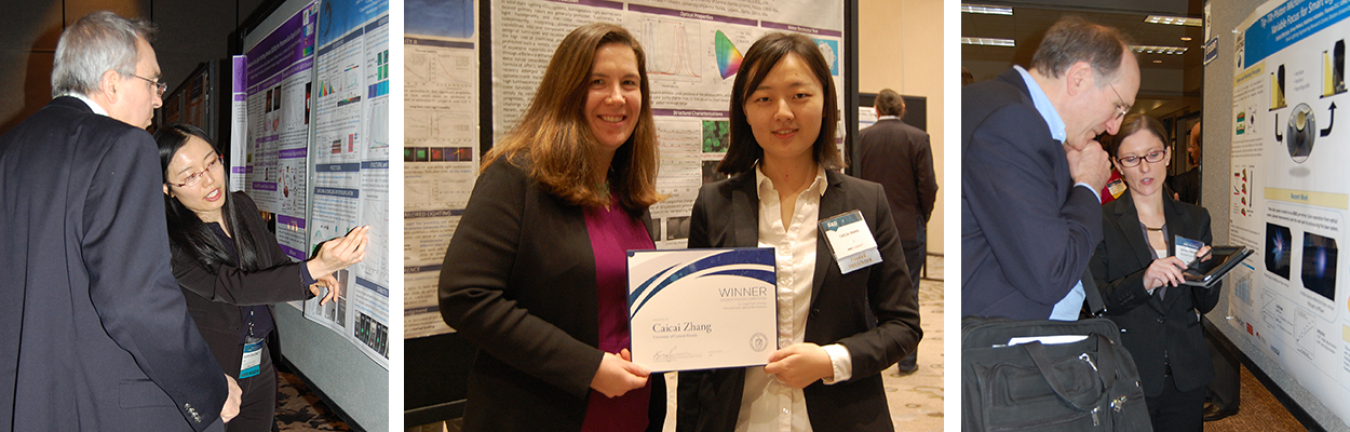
(759, 342)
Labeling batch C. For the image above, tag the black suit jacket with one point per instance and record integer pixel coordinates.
(1187, 186)
(1155, 330)
(899, 157)
(519, 281)
(94, 334)
(215, 295)
(726, 214)
(1027, 233)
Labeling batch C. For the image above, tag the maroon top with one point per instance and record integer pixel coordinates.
(613, 232)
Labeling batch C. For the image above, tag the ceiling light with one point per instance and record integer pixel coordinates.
(986, 9)
(988, 41)
(1174, 20)
(1157, 62)
(1157, 49)
(1186, 38)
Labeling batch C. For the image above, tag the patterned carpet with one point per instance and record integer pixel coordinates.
(300, 410)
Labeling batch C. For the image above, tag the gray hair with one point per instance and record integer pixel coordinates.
(1074, 39)
(97, 43)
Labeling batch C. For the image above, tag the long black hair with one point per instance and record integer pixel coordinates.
(187, 232)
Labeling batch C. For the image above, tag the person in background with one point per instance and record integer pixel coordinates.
(94, 334)
(231, 270)
(535, 274)
(1138, 269)
(836, 331)
(899, 157)
(1187, 184)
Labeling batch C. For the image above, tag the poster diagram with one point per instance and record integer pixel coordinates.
(1289, 194)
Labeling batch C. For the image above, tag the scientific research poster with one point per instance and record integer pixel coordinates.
(278, 82)
(440, 153)
(350, 155)
(694, 50)
(1289, 191)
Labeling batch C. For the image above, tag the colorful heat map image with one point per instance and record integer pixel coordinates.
(728, 57)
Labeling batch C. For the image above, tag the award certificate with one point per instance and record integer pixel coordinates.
(702, 308)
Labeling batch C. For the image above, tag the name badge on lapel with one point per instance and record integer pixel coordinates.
(850, 241)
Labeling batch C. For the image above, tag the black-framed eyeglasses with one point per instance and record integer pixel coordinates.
(195, 179)
(1121, 107)
(1152, 157)
(159, 86)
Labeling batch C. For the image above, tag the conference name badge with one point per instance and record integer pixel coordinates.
(702, 308)
(850, 241)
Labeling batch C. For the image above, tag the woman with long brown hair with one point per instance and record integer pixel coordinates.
(535, 274)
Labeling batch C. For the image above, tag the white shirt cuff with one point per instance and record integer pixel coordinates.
(1095, 192)
(842, 362)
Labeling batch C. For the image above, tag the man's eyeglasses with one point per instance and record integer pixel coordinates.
(195, 179)
(159, 86)
(1152, 157)
(1121, 107)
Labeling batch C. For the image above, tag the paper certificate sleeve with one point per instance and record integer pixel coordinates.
(702, 308)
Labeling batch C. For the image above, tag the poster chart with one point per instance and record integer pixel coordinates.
(440, 153)
(350, 155)
(277, 78)
(694, 50)
(1290, 194)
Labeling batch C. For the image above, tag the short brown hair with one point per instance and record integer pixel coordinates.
(890, 103)
(1135, 123)
(1074, 39)
(743, 150)
(555, 143)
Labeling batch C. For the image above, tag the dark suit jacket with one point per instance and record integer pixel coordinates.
(215, 295)
(726, 214)
(1155, 329)
(519, 281)
(899, 157)
(1187, 185)
(94, 334)
(1027, 233)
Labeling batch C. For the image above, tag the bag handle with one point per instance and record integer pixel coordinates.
(1106, 355)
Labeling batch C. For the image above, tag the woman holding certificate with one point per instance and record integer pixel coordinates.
(836, 330)
(1148, 239)
(535, 274)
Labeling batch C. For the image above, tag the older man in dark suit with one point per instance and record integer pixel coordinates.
(1031, 169)
(899, 157)
(95, 334)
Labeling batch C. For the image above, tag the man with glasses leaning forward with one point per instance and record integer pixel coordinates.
(1031, 171)
(93, 330)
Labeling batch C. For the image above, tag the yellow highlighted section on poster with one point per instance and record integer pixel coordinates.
(1320, 199)
(1255, 71)
(1345, 333)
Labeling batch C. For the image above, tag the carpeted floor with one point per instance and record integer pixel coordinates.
(1258, 411)
(299, 410)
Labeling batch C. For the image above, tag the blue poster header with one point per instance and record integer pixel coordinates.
(1289, 23)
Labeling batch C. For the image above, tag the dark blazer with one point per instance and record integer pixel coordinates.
(1152, 329)
(899, 157)
(215, 295)
(94, 334)
(1187, 185)
(726, 214)
(1027, 233)
(519, 281)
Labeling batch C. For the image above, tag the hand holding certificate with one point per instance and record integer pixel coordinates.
(702, 308)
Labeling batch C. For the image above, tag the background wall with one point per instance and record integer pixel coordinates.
(899, 49)
(1218, 120)
(190, 32)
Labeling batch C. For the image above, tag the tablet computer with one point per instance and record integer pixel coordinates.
(1209, 269)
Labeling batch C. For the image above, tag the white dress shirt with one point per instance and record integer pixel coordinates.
(768, 405)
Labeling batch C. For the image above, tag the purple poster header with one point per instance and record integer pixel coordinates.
(802, 29)
(239, 79)
(291, 153)
(292, 252)
(690, 113)
(596, 3)
(290, 221)
(270, 186)
(691, 15)
(285, 46)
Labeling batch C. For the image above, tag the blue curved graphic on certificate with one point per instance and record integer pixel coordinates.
(739, 257)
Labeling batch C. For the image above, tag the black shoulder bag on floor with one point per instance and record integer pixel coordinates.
(1078, 379)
